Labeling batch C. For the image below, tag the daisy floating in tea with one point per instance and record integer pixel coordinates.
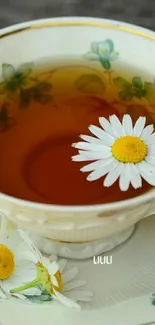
(120, 151)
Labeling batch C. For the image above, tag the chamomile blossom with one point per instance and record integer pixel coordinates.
(70, 286)
(15, 270)
(120, 151)
(51, 278)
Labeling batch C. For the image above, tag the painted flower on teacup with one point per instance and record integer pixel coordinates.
(103, 52)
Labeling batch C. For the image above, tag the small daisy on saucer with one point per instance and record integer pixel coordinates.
(120, 151)
(52, 279)
(15, 270)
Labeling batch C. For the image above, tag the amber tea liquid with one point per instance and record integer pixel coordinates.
(40, 127)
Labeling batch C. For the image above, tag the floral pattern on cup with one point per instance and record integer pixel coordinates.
(104, 52)
(128, 90)
(20, 83)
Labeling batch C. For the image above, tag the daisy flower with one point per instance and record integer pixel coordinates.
(50, 277)
(15, 270)
(70, 285)
(120, 151)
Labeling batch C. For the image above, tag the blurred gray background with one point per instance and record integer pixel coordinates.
(140, 12)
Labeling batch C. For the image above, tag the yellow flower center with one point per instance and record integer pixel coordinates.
(129, 149)
(7, 264)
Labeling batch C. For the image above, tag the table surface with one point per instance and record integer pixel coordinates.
(140, 12)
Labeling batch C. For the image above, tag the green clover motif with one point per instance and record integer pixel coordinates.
(37, 93)
(103, 52)
(15, 79)
(129, 90)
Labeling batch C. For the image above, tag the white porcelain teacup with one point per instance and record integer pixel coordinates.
(78, 231)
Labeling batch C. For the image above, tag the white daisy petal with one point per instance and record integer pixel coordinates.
(90, 139)
(99, 133)
(124, 180)
(102, 171)
(70, 275)
(65, 301)
(150, 160)
(114, 174)
(146, 173)
(151, 150)
(85, 296)
(89, 146)
(135, 177)
(62, 265)
(151, 139)
(91, 155)
(127, 124)
(25, 268)
(73, 284)
(53, 258)
(148, 130)
(23, 253)
(105, 137)
(30, 244)
(97, 164)
(117, 126)
(149, 168)
(53, 267)
(139, 126)
(107, 127)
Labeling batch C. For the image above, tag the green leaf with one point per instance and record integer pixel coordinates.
(92, 56)
(153, 302)
(126, 96)
(105, 63)
(90, 83)
(8, 71)
(121, 83)
(25, 69)
(137, 82)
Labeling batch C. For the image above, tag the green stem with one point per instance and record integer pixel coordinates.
(31, 284)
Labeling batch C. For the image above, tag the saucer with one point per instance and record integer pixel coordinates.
(123, 290)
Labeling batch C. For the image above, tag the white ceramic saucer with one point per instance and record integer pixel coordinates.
(123, 290)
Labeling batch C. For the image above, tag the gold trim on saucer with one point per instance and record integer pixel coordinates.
(81, 23)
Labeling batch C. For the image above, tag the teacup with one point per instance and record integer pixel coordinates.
(77, 231)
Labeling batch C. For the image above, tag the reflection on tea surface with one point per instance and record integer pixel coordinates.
(43, 111)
